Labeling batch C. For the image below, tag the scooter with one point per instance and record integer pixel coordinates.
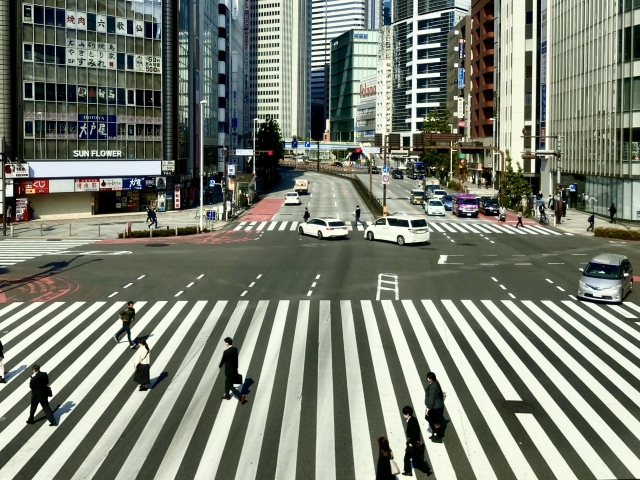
(502, 217)
(544, 220)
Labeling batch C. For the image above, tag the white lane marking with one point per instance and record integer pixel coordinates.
(248, 228)
(459, 227)
(317, 277)
(244, 293)
(522, 264)
(389, 278)
(446, 225)
(622, 311)
(282, 226)
(179, 293)
(309, 293)
(113, 294)
(191, 284)
(437, 227)
(208, 467)
(573, 297)
(259, 277)
(503, 287)
(555, 263)
(172, 459)
(272, 226)
(492, 229)
(560, 288)
(200, 276)
(506, 443)
(494, 279)
(141, 277)
(621, 325)
(492, 241)
(335, 204)
(325, 436)
(550, 281)
(557, 415)
(482, 228)
(254, 436)
(443, 260)
(261, 226)
(127, 285)
(360, 435)
(512, 295)
(313, 284)
(293, 226)
(252, 284)
(578, 254)
(290, 432)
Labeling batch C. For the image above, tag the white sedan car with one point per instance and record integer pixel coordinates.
(292, 198)
(324, 228)
(434, 207)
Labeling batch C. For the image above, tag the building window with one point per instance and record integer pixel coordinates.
(27, 13)
(28, 91)
(28, 129)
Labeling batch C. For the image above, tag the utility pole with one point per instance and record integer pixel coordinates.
(318, 164)
(202, 104)
(384, 187)
(225, 180)
(4, 188)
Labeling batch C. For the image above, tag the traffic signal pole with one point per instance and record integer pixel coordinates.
(4, 189)
(384, 186)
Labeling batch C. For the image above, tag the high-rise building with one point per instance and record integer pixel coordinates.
(420, 29)
(280, 49)
(458, 75)
(330, 19)
(354, 56)
(384, 106)
(593, 101)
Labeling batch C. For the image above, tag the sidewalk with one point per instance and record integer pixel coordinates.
(109, 225)
(577, 221)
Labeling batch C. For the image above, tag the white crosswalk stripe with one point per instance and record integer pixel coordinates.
(13, 251)
(486, 354)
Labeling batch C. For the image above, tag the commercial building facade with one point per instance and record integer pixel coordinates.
(420, 29)
(354, 56)
(594, 103)
(384, 105)
(366, 110)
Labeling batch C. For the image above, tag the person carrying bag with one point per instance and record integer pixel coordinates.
(141, 365)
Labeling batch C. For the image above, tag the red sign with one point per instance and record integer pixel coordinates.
(87, 184)
(176, 198)
(32, 187)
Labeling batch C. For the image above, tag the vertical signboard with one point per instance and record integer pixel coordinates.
(176, 198)
(461, 78)
(543, 73)
(247, 26)
(461, 48)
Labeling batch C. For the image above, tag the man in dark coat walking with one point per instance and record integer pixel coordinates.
(127, 316)
(2, 379)
(414, 444)
(230, 362)
(39, 385)
(154, 219)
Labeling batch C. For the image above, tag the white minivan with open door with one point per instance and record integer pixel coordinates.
(400, 229)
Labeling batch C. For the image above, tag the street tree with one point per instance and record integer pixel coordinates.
(437, 121)
(269, 144)
(515, 185)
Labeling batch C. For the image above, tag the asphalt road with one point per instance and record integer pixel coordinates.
(538, 385)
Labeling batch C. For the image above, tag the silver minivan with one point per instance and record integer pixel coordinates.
(608, 277)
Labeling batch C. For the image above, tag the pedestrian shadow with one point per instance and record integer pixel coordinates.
(244, 388)
(159, 379)
(64, 408)
(15, 372)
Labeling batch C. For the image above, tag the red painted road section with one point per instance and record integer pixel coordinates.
(225, 236)
(263, 211)
(512, 219)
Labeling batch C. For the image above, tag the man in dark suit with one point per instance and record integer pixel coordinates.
(230, 362)
(414, 444)
(39, 385)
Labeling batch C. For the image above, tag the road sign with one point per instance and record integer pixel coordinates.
(307, 144)
(385, 179)
(386, 169)
(231, 170)
(168, 165)
(244, 152)
(211, 214)
(294, 143)
(400, 153)
(212, 183)
(370, 149)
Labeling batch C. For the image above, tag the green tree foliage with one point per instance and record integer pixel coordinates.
(515, 185)
(269, 138)
(437, 121)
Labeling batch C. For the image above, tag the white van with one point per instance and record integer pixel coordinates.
(400, 229)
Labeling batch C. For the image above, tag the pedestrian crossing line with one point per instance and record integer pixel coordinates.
(559, 467)
(608, 331)
(512, 453)
(617, 445)
(579, 371)
(458, 227)
(272, 226)
(506, 229)
(632, 306)
(437, 227)
(289, 434)
(530, 230)
(174, 455)
(121, 420)
(622, 311)
(240, 225)
(449, 227)
(360, 435)
(133, 464)
(543, 231)
(565, 426)
(440, 460)
(595, 360)
(294, 225)
(282, 226)
(482, 228)
(208, 467)
(261, 226)
(26, 324)
(472, 228)
(622, 360)
(360, 228)
(492, 229)
(325, 428)
(252, 445)
(388, 400)
(628, 329)
(35, 442)
(17, 316)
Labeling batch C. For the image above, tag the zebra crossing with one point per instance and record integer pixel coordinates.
(436, 227)
(324, 380)
(13, 251)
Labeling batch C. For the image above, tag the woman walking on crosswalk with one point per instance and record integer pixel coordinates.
(141, 365)
(434, 401)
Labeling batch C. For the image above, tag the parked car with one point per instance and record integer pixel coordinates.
(324, 228)
(398, 174)
(374, 170)
(433, 207)
(400, 229)
(608, 277)
(292, 198)
(448, 202)
(417, 197)
(489, 206)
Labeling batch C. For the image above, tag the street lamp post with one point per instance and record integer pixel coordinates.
(202, 104)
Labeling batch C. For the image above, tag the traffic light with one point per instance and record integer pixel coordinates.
(355, 154)
(270, 152)
(7, 169)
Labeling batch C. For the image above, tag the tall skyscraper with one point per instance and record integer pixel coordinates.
(420, 30)
(280, 49)
(330, 19)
